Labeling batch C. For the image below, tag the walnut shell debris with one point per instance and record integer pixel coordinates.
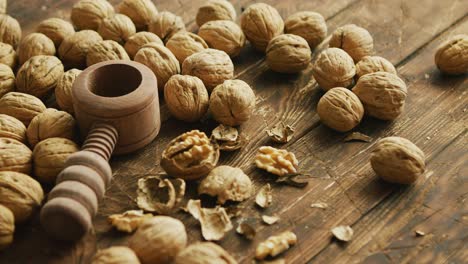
(106, 50)
(63, 89)
(74, 48)
(11, 127)
(7, 55)
(89, 14)
(160, 195)
(260, 23)
(334, 68)
(23, 107)
(383, 94)
(186, 97)
(128, 221)
(20, 193)
(215, 222)
(223, 35)
(7, 226)
(281, 133)
(397, 160)
(166, 24)
(288, 53)
(309, 25)
(212, 66)
(7, 80)
(356, 41)
(3, 6)
(203, 253)
(343, 233)
(215, 10)
(118, 28)
(276, 161)
(135, 42)
(264, 197)
(141, 12)
(184, 44)
(190, 156)
(370, 64)
(15, 156)
(228, 138)
(451, 56)
(56, 29)
(340, 109)
(115, 255)
(35, 44)
(51, 123)
(275, 245)
(10, 30)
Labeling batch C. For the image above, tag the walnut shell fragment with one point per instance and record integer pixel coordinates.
(281, 133)
(357, 136)
(343, 233)
(356, 41)
(227, 138)
(128, 221)
(452, 55)
(204, 253)
(334, 68)
(246, 230)
(270, 220)
(264, 197)
(215, 222)
(159, 195)
(275, 245)
(215, 10)
(370, 64)
(276, 161)
(115, 255)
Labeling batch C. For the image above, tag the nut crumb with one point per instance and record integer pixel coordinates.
(319, 205)
(343, 233)
(264, 197)
(270, 220)
(420, 233)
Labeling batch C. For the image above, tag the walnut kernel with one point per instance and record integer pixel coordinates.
(276, 161)
(35, 44)
(275, 245)
(334, 68)
(135, 42)
(223, 35)
(22, 106)
(56, 29)
(288, 53)
(204, 252)
(104, 51)
(356, 41)
(11, 127)
(7, 80)
(89, 14)
(10, 30)
(184, 44)
(452, 55)
(51, 123)
(370, 64)
(115, 255)
(63, 89)
(74, 48)
(118, 28)
(166, 24)
(141, 12)
(7, 55)
(7, 227)
(15, 156)
(309, 25)
(215, 10)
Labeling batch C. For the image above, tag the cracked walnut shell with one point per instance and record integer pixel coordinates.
(452, 55)
(203, 253)
(128, 221)
(11, 127)
(10, 30)
(15, 156)
(397, 160)
(276, 161)
(51, 123)
(118, 28)
(74, 48)
(309, 25)
(106, 50)
(7, 227)
(7, 80)
(383, 94)
(223, 35)
(215, 222)
(370, 64)
(340, 109)
(7, 55)
(334, 68)
(115, 255)
(184, 44)
(214, 10)
(288, 53)
(89, 14)
(135, 42)
(160, 195)
(23, 107)
(35, 44)
(356, 41)
(56, 29)
(63, 89)
(141, 12)
(166, 24)
(3, 6)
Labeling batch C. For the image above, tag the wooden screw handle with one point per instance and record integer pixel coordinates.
(73, 202)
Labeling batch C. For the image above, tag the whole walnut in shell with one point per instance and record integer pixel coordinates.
(74, 48)
(20, 193)
(135, 42)
(89, 14)
(35, 44)
(186, 97)
(166, 235)
(11, 127)
(452, 55)
(141, 12)
(7, 80)
(51, 123)
(3, 6)
(260, 23)
(215, 10)
(212, 66)
(14, 156)
(166, 24)
(356, 41)
(7, 227)
(115, 255)
(7, 55)
(309, 25)
(49, 157)
(370, 64)
(334, 68)
(288, 53)
(39, 75)
(23, 107)
(204, 252)
(56, 29)
(106, 50)
(383, 94)
(184, 44)
(397, 160)
(190, 156)
(160, 60)
(340, 109)
(118, 28)
(227, 183)
(223, 35)
(63, 89)
(232, 102)
(10, 30)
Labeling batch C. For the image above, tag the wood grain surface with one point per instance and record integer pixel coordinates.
(384, 217)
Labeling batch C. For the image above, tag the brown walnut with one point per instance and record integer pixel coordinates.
(51, 123)
(74, 48)
(35, 44)
(223, 35)
(141, 12)
(10, 30)
(7, 55)
(15, 156)
(118, 28)
(63, 89)
(203, 253)
(334, 68)
(11, 127)
(22, 106)
(7, 80)
(309, 25)
(115, 255)
(135, 42)
(184, 44)
(56, 29)
(356, 41)
(288, 53)
(89, 14)
(452, 55)
(106, 50)
(166, 24)
(214, 10)
(370, 64)
(7, 226)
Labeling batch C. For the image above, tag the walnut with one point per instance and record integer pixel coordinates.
(115, 255)
(11, 127)
(215, 10)
(14, 156)
(166, 235)
(22, 106)
(383, 94)
(227, 183)
(223, 35)
(56, 29)
(186, 97)
(89, 14)
(135, 42)
(190, 156)
(106, 50)
(7, 226)
(309, 25)
(22, 194)
(260, 23)
(63, 89)
(276, 161)
(7, 55)
(49, 157)
(275, 245)
(356, 41)
(340, 109)
(160, 60)
(452, 55)
(141, 12)
(39, 75)
(370, 64)
(166, 24)
(51, 123)
(288, 53)
(184, 44)
(397, 160)
(204, 252)
(10, 30)
(232, 102)
(215, 222)
(160, 195)
(118, 28)
(128, 221)
(35, 44)
(3, 6)
(334, 68)
(7, 80)
(74, 48)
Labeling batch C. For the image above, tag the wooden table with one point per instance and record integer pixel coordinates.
(384, 217)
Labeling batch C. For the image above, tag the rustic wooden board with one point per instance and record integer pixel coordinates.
(384, 216)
